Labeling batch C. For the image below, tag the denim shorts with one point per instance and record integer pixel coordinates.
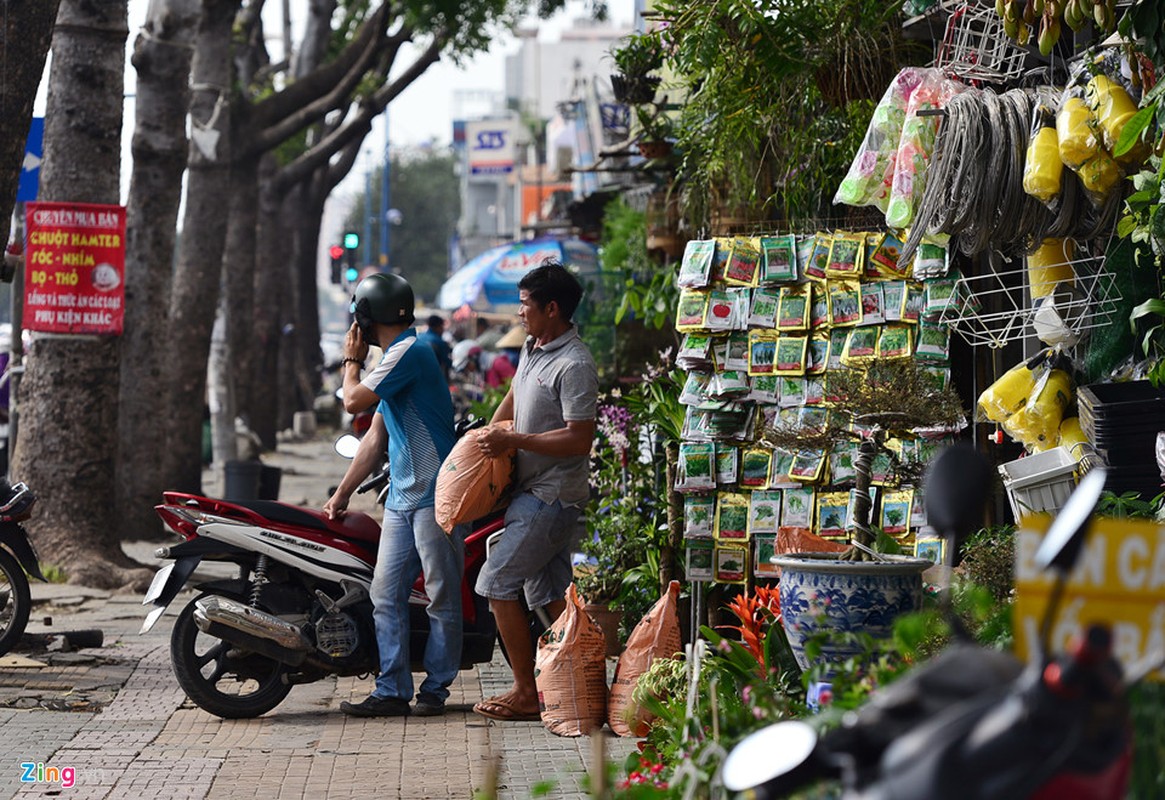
(534, 554)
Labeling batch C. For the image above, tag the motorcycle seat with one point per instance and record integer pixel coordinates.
(355, 525)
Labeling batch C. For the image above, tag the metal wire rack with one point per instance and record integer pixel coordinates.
(995, 308)
(975, 46)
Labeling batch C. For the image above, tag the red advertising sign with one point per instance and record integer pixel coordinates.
(74, 275)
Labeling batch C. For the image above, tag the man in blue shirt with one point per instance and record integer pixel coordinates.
(414, 420)
(434, 337)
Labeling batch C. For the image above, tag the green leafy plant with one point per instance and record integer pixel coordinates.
(639, 55)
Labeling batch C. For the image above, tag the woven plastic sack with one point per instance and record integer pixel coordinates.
(656, 636)
(469, 483)
(570, 672)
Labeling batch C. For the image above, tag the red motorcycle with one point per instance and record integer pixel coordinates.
(299, 609)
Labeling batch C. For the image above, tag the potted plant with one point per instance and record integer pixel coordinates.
(861, 590)
(640, 55)
(655, 131)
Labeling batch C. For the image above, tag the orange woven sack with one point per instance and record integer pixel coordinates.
(570, 672)
(470, 484)
(656, 636)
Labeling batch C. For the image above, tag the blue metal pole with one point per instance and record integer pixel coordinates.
(368, 213)
(384, 197)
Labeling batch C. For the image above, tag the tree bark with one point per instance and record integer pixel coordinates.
(272, 306)
(67, 445)
(239, 288)
(28, 28)
(196, 279)
(162, 55)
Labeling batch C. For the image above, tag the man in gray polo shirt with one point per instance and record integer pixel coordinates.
(552, 403)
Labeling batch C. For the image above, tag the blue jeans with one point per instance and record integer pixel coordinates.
(412, 542)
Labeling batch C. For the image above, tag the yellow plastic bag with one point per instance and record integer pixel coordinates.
(1113, 108)
(1037, 424)
(1049, 265)
(1099, 175)
(1042, 168)
(1008, 394)
(1072, 436)
(1075, 129)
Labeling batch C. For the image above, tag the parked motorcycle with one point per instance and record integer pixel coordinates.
(973, 723)
(299, 609)
(17, 557)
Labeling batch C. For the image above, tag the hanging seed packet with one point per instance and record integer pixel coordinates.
(861, 345)
(695, 389)
(819, 308)
(780, 258)
(837, 340)
(694, 347)
(845, 255)
(732, 516)
(895, 518)
(699, 513)
(764, 548)
(763, 311)
(696, 471)
(882, 467)
(791, 352)
(764, 389)
(692, 309)
(797, 507)
(845, 303)
(805, 247)
(720, 260)
(699, 560)
(762, 352)
(832, 508)
(873, 304)
(841, 462)
(894, 300)
(720, 308)
(779, 471)
(886, 254)
(697, 427)
(941, 297)
(737, 351)
(727, 464)
(808, 466)
(793, 312)
(719, 350)
(731, 564)
(754, 467)
(743, 263)
(764, 512)
(819, 260)
(930, 261)
(728, 384)
(895, 341)
(812, 418)
(915, 301)
(870, 269)
(696, 267)
(934, 342)
(741, 297)
(817, 356)
(791, 392)
(815, 390)
(938, 378)
(917, 510)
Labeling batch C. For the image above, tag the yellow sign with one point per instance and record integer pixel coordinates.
(1119, 579)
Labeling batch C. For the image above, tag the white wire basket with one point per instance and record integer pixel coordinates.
(975, 46)
(996, 307)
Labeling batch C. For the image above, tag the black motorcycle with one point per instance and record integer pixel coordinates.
(17, 557)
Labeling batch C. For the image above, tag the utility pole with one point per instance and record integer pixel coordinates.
(385, 196)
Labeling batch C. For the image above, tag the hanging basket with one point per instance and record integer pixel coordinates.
(635, 90)
(655, 149)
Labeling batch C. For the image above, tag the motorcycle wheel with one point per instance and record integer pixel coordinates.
(220, 678)
(15, 601)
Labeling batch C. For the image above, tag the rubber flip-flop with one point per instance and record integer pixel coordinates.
(503, 710)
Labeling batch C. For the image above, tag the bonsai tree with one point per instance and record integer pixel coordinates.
(870, 403)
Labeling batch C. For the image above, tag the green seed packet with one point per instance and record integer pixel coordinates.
(737, 351)
(845, 303)
(791, 392)
(764, 548)
(930, 261)
(727, 464)
(797, 506)
(743, 263)
(862, 345)
(934, 342)
(764, 389)
(779, 472)
(845, 255)
(817, 356)
(699, 516)
(699, 559)
(941, 296)
(755, 464)
(763, 311)
(895, 341)
(841, 462)
(808, 466)
(915, 300)
(731, 564)
(837, 340)
(819, 308)
(895, 518)
(692, 309)
(806, 245)
(696, 470)
(791, 351)
(762, 352)
(731, 516)
(894, 296)
(764, 511)
(695, 389)
(780, 258)
(696, 267)
(832, 508)
(819, 261)
(793, 311)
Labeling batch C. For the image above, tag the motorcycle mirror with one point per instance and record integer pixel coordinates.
(957, 486)
(347, 445)
(771, 753)
(1065, 537)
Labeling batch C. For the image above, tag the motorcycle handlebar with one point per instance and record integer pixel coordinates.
(374, 482)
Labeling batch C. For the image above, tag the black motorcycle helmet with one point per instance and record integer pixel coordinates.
(384, 298)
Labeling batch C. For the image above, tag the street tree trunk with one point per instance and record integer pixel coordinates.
(196, 279)
(162, 55)
(68, 438)
(273, 308)
(28, 28)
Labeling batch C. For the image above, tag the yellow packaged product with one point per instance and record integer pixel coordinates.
(1009, 393)
(1099, 174)
(1076, 133)
(1072, 436)
(1113, 108)
(1038, 423)
(1042, 167)
(1050, 264)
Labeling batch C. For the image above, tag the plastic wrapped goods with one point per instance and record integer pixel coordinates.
(1076, 131)
(1113, 109)
(915, 147)
(1099, 175)
(1008, 394)
(1037, 424)
(1048, 265)
(1072, 436)
(1042, 168)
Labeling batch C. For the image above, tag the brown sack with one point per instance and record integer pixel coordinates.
(656, 636)
(570, 672)
(470, 484)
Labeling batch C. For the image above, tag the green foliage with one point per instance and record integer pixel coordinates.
(619, 537)
(987, 559)
(640, 54)
(655, 401)
(1128, 505)
(1147, 705)
(489, 402)
(646, 291)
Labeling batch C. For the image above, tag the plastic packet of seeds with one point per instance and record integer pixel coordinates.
(720, 310)
(813, 418)
(764, 548)
(841, 462)
(719, 350)
(790, 358)
(743, 264)
(764, 389)
(737, 351)
(930, 261)
(846, 254)
(698, 566)
(695, 352)
(730, 383)
(832, 508)
(806, 244)
(696, 266)
(695, 389)
(754, 467)
(791, 392)
(851, 508)
(692, 310)
(797, 507)
(819, 308)
(819, 260)
(764, 511)
(699, 516)
(720, 260)
(793, 312)
(884, 261)
(817, 356)
(815, 390)
(696, 470)
(915, 301)
(763, 311)
(780, 258)
(808, 466)
(894, 300)
(779, 470)
(934, 342)
(942, 297)
(727, 464)
(861, 345)
(895, 517)
(837, 340)
(845, 303)
(762, 352)
(732, 516)
(895, 341)
(873, 304)
(731, 564)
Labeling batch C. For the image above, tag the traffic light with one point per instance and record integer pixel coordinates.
(337, 254)
(351, 240)
(351, 274)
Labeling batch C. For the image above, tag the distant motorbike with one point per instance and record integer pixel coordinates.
(17, 557)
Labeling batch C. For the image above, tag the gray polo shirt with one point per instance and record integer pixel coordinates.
(555, 384)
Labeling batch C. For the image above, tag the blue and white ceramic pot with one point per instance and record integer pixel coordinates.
(820, 594)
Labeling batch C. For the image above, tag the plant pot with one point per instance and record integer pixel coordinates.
(635, 90)
(608, 619)
(655, 149)
(821, 594)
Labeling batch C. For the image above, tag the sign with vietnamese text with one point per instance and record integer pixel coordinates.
(74, 274)
(1119, 579)
(490, 146)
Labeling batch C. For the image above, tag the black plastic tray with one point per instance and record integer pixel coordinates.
(1116, 401)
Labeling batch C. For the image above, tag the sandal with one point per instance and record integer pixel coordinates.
(502, 709)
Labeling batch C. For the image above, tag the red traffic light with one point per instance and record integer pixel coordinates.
(336, 251)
